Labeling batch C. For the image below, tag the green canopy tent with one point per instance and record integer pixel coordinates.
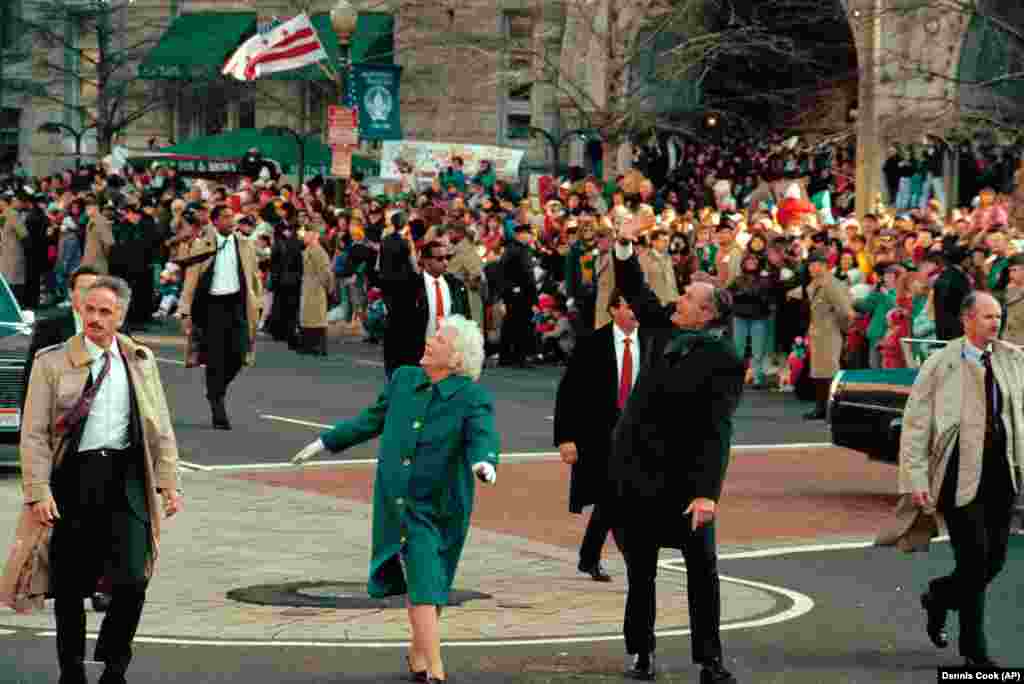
(220, 154)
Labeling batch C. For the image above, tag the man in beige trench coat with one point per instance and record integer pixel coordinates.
(831, 312)
(97, 455)
(99, 238)
(966, 401)
(317, 284)
(221, 298)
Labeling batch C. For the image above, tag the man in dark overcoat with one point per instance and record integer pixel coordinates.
(601, 373)
(951, 288)
(520, 296)
(418, 298)
(670, 452)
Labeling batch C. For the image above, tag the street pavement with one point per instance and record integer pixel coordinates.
(261, 579)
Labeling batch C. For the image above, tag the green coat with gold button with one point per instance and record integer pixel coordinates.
(431, 436)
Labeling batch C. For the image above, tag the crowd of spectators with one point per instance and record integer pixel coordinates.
(536, 262)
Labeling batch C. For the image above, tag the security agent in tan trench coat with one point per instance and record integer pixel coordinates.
(961, 457)
(222, 321)
(1013, 303)
(92, 489)
(12, 252)
(467, 266)
(831, 312)
(317, 283)
(99, 239)
(604, 273)
(659, 271)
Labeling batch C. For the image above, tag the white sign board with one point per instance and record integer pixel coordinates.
(432, 158)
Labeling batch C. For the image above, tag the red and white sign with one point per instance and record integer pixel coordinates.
(342, 126)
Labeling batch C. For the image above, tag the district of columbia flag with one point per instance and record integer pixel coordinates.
(292, 45)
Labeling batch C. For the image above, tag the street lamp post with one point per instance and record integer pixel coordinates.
(343, 19)
(53, 127)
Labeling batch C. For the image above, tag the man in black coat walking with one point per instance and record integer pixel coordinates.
(601, 374)
(520, 295)
(670, 452)
(951, 288)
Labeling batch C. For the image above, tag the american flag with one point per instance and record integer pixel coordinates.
(291, 45)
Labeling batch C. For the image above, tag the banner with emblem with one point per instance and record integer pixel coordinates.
(375, 92)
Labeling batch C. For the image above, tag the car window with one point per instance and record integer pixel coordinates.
(11, 315)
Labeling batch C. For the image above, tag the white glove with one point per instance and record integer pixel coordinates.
(485, 471)
(308, 452)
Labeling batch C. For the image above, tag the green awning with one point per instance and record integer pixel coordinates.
(374, 39)
(220, 153)
(197, 45)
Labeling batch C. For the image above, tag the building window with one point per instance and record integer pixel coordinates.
(10, 120)
(518, 127)
(10, 31)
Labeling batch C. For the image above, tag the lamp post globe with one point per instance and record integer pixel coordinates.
(343, 20)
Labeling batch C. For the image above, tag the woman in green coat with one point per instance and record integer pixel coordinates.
(436, 426)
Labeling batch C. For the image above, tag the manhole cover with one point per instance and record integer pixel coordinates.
(339, 595)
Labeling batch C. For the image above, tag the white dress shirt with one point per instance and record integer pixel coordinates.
(429, 281)
(106, 426)
(225, 267)
(620, 347)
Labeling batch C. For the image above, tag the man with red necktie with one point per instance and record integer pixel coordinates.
(419, 294)
(596, 385)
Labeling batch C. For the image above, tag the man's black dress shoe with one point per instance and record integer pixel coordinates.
(220, 415)
(113, 675)
(100, 602)
(73, 674)
(713, 672)
(982, 662)
(596, 572)
(642, 667)
(936, 627)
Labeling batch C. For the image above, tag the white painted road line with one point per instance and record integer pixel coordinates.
(296, 421)
(800, 604)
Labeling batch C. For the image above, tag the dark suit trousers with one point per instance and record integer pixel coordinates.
(979, 534)
(702, 587)
(600, 524)
(225, 339)
(517, 340)
(99, 534)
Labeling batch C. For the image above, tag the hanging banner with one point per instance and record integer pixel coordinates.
(431, 158)
(374, 89)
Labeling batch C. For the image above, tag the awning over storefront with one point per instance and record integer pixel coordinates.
(196, 46)
(220, 154)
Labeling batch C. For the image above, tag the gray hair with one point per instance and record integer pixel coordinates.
(116, 285)
(469, 345)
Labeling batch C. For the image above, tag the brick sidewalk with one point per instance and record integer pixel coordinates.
(777, 496)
